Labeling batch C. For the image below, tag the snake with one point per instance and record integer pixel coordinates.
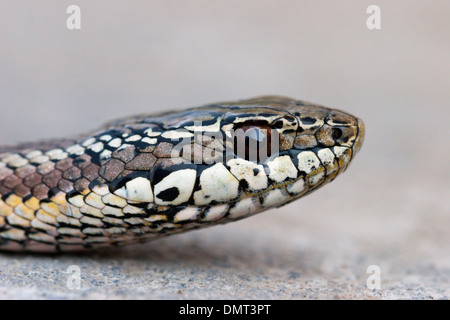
(148, 176)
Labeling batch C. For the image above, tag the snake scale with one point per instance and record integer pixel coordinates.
(148, 176)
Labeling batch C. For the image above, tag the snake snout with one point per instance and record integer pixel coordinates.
(360, 136)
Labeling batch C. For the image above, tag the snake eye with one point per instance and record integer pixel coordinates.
(252, 142)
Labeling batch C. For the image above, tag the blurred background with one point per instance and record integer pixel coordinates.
(390, 209)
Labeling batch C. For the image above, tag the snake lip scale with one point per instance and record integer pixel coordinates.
(144, 177)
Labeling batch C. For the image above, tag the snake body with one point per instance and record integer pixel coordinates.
(148, 176)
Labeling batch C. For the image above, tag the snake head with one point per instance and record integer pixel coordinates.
(274, 150)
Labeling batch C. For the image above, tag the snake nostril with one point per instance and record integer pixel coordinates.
(336, 133)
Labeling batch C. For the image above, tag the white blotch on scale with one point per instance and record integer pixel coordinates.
(88, 142)
(138, 189)
(252, 173)
(217, 184)
(183, 180)
(106, 137)
(75, 149)
(297, 187)
(105, 155)
(133, 138)
(327, 158)
(18, 162)
(216, 212)
(149, 140)
(282, 168)
(315, 179)
(96, 147)
(245, 207)
(274, 198)
(187, 214)
(308, 162)
(114, 200)
(56, 154)
(33, 154)
(149, 132)
(115, 143)
(176, 134)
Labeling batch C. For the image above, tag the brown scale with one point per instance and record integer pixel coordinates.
(143, 161)
(112, 169)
